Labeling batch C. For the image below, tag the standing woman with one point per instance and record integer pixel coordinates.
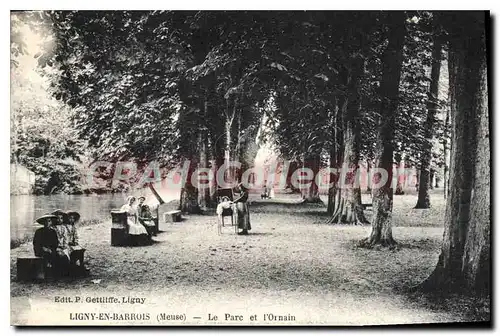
(134, 229)
(241, 210)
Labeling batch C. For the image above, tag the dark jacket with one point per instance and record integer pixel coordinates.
(243, 197)
(44, 237)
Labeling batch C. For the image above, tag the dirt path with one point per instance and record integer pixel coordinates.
(290, 264)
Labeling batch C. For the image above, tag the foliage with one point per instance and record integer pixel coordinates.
(154, 85)
(42, 135)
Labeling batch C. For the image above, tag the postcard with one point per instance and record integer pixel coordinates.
(250, 168)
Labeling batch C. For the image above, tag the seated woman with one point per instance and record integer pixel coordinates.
(223, 206)
(62, 251)
(137, 231)
(76, 251)
(241, 213)
(45, 240)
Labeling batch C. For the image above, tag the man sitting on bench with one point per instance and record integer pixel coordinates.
(146, 217)
(45, 241)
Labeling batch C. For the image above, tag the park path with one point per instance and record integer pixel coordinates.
(290, 265)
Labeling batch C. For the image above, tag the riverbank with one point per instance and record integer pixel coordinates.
(290, 264)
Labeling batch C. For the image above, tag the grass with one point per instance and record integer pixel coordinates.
(291, 263)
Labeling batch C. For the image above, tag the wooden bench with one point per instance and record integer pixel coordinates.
(30, 268)
(172, 216)
(368, 205)
(119, 228)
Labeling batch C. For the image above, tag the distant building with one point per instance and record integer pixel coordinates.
(22, 180)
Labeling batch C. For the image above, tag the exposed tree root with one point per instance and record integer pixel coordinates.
(313, 200)
(368, 243)
(422, 205)
(345, 213)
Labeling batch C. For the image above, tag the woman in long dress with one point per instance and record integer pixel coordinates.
(63, 250)
(76, 251)
(240, 212)
(134, 228)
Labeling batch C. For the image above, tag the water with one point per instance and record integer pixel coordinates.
(25, 209)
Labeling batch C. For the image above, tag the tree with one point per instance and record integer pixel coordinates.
(464, 262)
(426, 172)
(389, 91)
(43, 137)
(350, 209)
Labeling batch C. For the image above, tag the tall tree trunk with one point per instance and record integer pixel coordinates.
(399, 186)
(425, 183)
(381, 232)
(332, 191)
(445, 151)
(432, 174)
(217, 154)
(464, 262)
(203, 193)
(368, 177)
(294, 165)
(229, 155)
(189, 194)
(350, 209)
(311, 194)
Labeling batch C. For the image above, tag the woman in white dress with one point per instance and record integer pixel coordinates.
(135, 228)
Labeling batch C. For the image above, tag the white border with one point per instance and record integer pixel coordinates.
(196, 5)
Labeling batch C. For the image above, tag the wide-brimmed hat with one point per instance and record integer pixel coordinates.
(60, 212)
(73, 213)
(43, 220)
(141, 197)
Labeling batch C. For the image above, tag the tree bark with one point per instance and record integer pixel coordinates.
(332, 191)
(445, 153)
(369, 177)
(203, 193)
(425, 183)
(350, 209)
(464, 262)
(432, 174)
(294, 165)
(189, 194)
(399, 186)
(381, 233)
(311, 194)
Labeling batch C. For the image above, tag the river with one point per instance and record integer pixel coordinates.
(25, 209)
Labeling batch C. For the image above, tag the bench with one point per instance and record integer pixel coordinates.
(367, 205)
(119, 228)
(30, 268)
(172, 216)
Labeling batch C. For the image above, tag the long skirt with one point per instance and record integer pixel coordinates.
(61, 262)
(136, 229)
(242, 216)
